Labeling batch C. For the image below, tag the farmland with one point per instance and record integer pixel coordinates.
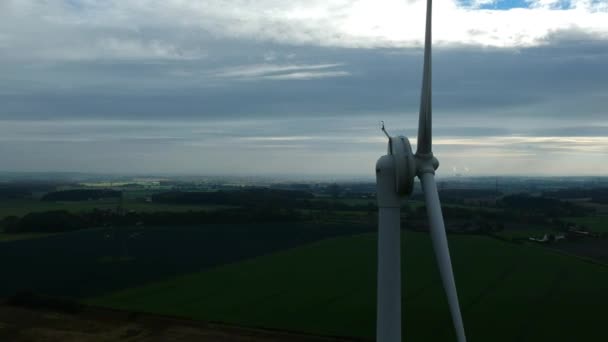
(508, 292)
(595, 223)
(305, 261)
(93, 261)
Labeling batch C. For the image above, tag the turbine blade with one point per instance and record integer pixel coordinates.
(424, 145)
(442, 253)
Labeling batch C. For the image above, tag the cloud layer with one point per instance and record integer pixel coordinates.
(299, 86)
(180, 29)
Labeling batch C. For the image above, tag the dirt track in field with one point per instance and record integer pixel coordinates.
(92, 324)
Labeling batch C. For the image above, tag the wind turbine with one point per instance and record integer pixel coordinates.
(395, 173)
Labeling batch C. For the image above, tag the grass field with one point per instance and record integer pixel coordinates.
(524, 231)
(22, 236)
(594, 223)
(508, 292)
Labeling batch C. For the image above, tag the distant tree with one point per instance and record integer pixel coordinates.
(10, 224)
(245, 197)
(542, 207)
(80, 195)
(51, 221)
(334, 190)
(14, 192)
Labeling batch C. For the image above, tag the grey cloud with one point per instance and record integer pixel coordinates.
(257, 71)
(306, 145)
(469, 82)
(173, 29)
(573, 131)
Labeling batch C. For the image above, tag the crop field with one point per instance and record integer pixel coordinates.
(22, 236)
(593, 249)
(524, 231)
(594, 223)
(95, 261)
(519, 235)
(599, 208)
(508, 292)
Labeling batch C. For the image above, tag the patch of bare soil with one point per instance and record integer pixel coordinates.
(93, 324)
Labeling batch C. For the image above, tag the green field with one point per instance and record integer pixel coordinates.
(508, 292)
(21, 236)
(594, 223)
(413, 204)
(530, 231)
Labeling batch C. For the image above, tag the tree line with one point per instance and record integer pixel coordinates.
(62, 220)
(80, 195)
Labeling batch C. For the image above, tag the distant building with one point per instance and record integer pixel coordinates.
(544, 239)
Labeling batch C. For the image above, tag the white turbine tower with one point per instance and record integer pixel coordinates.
(395, 173)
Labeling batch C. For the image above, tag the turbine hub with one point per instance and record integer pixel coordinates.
(426, 163)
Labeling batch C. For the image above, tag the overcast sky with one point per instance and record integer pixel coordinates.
(299, 87)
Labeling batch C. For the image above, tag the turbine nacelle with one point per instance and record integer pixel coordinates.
(405, 164)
